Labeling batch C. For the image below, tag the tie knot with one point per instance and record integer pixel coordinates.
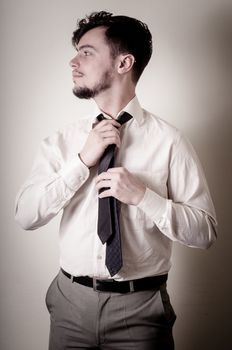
(122, 119)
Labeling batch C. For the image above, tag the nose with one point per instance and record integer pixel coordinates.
(74, 62)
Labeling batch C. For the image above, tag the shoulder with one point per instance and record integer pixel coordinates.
(161, 128)
(169, 136)
(70, 131)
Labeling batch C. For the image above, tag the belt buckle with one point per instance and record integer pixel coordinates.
(97, 284)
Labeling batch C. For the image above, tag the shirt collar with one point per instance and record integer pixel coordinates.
(133, 108)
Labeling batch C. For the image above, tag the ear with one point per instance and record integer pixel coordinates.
(125, 63)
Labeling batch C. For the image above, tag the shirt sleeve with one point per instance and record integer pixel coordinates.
(187, 215)
(53, 181)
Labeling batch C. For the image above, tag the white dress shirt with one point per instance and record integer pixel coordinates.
(176, 206)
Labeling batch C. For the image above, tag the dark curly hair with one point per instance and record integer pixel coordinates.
(123, 35)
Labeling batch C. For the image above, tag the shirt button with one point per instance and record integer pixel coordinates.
(99, 257)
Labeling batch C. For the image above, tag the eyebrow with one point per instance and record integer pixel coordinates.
(87, 46)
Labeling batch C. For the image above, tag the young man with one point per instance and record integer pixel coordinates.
(129, 185)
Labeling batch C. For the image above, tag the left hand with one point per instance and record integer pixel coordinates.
(122, 185)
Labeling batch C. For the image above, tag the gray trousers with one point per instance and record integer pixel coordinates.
(82, 318)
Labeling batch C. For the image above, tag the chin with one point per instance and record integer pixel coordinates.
(83, 93)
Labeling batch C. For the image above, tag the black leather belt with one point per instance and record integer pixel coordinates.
(113, 286)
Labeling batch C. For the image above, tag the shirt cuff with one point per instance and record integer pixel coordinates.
(74, 173)
(154, 206)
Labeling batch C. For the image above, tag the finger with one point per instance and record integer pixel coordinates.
(107, 134)
(103, 176)
(108, 175)
(106, 193)
(103, 184)
(116, 170)
(112, 141)
(108, 128)
(107, 122)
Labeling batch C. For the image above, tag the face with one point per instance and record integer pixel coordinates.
(93, 66)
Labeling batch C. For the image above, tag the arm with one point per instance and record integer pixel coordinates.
(187, 215)
(51, 184)
(56, 176)
(180, 222)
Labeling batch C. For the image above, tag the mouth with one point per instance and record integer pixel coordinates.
(77, 74)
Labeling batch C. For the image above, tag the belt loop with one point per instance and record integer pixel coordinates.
(72, 278)
(131, 283)
(94, 284)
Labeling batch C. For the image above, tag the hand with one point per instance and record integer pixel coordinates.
(104, 134)
(122, 185)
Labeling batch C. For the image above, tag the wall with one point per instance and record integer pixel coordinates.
(188, 83)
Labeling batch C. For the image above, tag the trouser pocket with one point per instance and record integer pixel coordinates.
(168, 311)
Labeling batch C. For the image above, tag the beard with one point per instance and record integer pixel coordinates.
(87, 93)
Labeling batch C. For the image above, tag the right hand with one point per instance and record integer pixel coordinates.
(104, 134)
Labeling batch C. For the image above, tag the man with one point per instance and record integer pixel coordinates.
(111, 291)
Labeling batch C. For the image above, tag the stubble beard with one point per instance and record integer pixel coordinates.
(87, 93)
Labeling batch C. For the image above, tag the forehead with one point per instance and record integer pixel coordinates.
(94, 37)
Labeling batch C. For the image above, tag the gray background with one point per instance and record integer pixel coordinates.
(188, 83)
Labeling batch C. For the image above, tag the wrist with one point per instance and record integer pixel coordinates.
(83, 160)
(140, 195)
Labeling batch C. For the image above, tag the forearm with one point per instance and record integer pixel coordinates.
(42, 197)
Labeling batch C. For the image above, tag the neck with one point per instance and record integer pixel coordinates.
(112, 102)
